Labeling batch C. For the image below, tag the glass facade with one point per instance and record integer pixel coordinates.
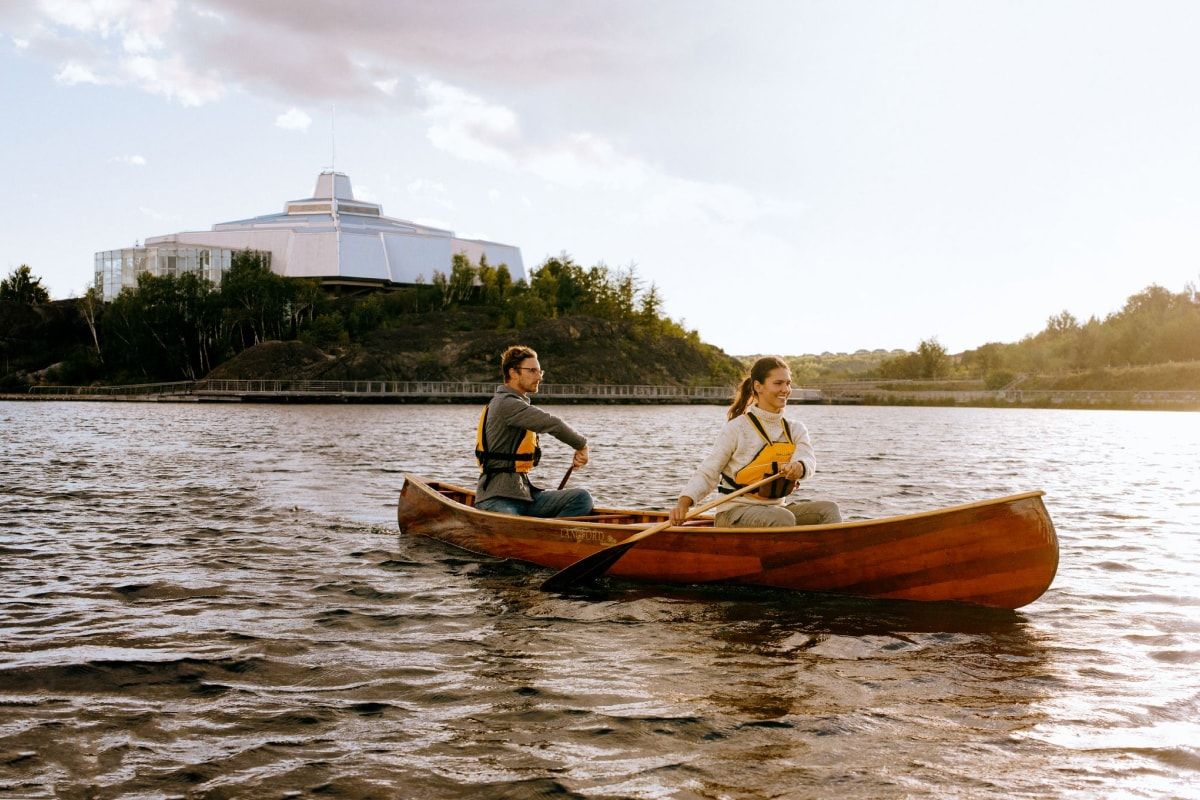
(119, 269)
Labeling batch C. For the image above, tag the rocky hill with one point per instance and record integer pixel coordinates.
(460, 346)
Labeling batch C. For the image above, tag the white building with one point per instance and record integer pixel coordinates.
(330, 236)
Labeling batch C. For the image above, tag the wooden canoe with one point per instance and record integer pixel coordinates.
(1000, 553)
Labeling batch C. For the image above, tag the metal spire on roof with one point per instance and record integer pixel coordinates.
(333, 198)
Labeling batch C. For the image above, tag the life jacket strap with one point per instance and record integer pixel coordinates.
(491, 456)
(757, 423)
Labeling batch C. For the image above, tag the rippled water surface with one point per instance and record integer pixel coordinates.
(213, 601)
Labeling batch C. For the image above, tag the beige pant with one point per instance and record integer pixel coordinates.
(806, 512)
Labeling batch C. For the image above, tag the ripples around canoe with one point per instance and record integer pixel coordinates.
(214, 602)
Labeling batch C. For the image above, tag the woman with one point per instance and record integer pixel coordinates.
(757, 441)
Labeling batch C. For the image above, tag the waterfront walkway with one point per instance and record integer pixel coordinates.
(861, 393)
(380, 391)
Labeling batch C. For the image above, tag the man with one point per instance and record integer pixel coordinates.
(506, 446)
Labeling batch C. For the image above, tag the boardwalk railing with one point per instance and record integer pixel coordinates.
(886, 392)
(127, 390)
(874, 392)
(452, 389)
(388, 389)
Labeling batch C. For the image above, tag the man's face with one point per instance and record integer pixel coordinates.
(527, 376)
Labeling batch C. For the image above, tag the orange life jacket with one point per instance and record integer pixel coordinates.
(525, 458)
(765, 463)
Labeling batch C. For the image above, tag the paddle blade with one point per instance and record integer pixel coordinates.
(586, 569)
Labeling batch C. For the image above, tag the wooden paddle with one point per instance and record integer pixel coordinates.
(567, 477)
(593, 566)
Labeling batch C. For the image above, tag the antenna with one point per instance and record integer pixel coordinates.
(333, 196)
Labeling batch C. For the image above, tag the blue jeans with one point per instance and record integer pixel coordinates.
(545, 503)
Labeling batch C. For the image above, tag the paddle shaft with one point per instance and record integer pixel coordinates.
(698, 510)
(593, 566)
(562, 484)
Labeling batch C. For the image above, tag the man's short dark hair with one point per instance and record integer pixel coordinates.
(511, 358)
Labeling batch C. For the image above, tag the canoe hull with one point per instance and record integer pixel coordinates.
(1001, 553)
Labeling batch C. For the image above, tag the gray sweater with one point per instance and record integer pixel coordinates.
(509, 416)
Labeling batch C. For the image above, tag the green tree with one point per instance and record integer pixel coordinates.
(1061, 324)
(901, 367)
(935, 362)
(166, 328)
(441, 285)
(989, 357)
(504, 281)
(325, 330)
(652, 304)
(257, 302)
(489, 291)
(90, 305)
(461, 282)
(21, 286)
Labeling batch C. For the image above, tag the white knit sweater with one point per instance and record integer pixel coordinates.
(736, 446)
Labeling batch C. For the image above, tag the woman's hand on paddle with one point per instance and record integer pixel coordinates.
(581, 457)
(792, 470)
(679, 512)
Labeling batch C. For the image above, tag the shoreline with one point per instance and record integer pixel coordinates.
(463, 393)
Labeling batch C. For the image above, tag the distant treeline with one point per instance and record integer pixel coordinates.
(181, 327)
(1154, 327)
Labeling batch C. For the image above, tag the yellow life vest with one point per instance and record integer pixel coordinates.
(765, 463)
(525, 458)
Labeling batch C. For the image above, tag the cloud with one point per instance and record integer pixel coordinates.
(467, 126)
(472, 41)
(73, 73)
(137, 161)
(139, 43)
(316, 50)
(293, 120)
(471, 128)
(172, 78)
(587, 159)
(141, 25)
(410, 55)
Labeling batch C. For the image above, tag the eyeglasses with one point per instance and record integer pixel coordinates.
(537, 370)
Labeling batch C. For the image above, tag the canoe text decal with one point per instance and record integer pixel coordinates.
(587, 535)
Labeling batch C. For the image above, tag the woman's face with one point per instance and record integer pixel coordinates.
(772, 394)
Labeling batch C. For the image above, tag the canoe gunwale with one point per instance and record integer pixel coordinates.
(434, 489)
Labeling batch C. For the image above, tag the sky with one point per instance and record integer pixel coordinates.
(795, 177)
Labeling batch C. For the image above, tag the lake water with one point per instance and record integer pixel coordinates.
(214, 601)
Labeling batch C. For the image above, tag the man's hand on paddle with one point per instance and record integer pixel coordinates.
(581, 457)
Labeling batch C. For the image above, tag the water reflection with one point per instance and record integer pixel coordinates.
(722, 683)
(214, 601)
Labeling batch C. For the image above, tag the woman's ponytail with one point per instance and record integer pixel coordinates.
(741, 398)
